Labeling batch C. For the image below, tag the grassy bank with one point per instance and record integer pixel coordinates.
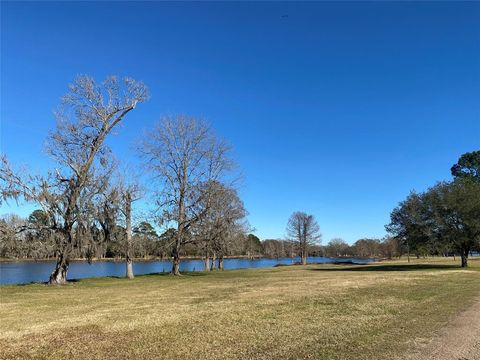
(318, 311)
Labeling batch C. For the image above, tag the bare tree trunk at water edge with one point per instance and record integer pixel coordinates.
(214, 261)
(128, 218)
(207, 263)
(176, 266)
(59, 275)
(176, 259)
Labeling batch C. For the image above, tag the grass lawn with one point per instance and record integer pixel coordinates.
(318, 311)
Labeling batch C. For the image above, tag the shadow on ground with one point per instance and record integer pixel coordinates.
(399, 267)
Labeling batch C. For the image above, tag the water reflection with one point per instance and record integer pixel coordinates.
(22, 272)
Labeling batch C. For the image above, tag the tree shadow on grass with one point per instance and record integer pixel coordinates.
(391, 267)
(162, 274)
(185, 274)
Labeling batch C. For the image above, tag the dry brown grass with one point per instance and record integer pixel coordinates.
(317, 311)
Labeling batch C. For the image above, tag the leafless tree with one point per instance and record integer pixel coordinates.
(115, 206)
(223, 219)
(183, 153)
(87, 115)
(276, 248)
(107, 213)
(337, 247)
(130, 191)
(12, 239)
(304, 229)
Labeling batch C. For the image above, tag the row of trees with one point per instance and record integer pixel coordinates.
(446, 217)
(27, 238)
(387, 248)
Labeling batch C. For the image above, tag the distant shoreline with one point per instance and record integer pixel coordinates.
(346, 258)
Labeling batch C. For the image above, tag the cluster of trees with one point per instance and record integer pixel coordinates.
(445, 219)
(387, 248)
(86, 202)
(27, 239)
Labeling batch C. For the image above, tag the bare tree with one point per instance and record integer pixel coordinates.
(304, 229)
(130, 191)
(223, 219)
(183, 153)
(88, 114)
(107, 213)
(337, 247)
(116, 202)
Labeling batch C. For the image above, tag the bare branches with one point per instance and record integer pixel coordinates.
(304, 229)
(87, 115)
(183, 154)
(221, 217)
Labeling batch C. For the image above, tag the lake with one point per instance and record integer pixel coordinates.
(24, 272)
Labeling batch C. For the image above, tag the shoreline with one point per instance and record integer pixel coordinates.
(243, 257)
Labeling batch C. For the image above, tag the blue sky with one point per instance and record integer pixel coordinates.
(338, 109)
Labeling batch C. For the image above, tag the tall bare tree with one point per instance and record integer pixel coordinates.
(115, 206)
(87, 115)
(183, 153)
(304, 229)
(130, 191)
(223, 219)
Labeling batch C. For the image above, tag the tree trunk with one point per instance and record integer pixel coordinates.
(128, 217)
(180, 225)
(206, 259)
(176, 258)
(304, 254)
(129, 265)
(176, 265)
(220, 263)
(304, 259)
(59, 275)
(464, 258)
(214, 261)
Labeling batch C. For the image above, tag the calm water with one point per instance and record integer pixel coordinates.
(23, 272)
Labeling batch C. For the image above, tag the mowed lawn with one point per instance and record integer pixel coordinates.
(375, 311)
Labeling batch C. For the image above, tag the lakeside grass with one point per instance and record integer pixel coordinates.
(375, 311)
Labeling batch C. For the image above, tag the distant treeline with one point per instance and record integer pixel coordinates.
(28, 239)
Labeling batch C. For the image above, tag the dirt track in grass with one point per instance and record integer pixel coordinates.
(459, 340)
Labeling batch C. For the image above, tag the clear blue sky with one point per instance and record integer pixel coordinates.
(337, 109)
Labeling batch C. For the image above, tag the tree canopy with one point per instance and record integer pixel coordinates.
(446, 216)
